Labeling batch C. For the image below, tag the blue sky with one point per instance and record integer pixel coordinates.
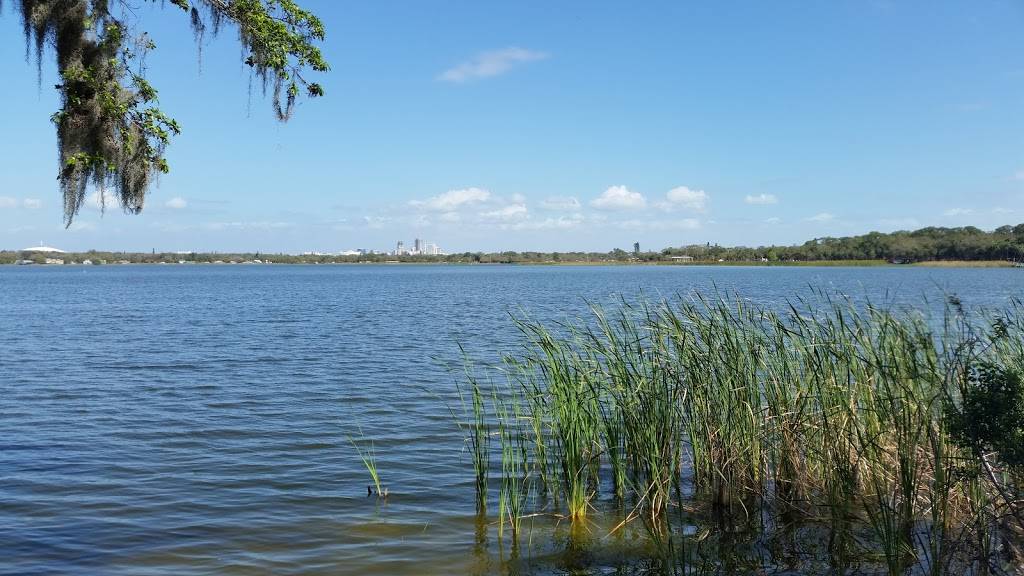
(538, 125)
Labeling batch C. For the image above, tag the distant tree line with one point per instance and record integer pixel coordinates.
(932, 243)
(927, 244)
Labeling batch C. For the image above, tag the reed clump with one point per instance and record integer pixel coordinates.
(851, 415)
(369, 457)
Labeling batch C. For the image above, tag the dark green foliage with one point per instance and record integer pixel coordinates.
(110, 134)
(932, 243)
(991, 415)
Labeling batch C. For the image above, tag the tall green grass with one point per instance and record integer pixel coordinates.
(831, 410)
(477, 429)
(369, 458)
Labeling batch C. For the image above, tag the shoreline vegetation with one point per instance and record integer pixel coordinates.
(718, 429)
(95, 258)
(967, 246)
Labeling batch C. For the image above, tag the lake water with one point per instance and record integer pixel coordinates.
(196, 419)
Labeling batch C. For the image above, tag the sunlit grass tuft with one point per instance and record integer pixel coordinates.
(369, 458)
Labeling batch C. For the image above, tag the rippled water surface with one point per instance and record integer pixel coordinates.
(195, 419)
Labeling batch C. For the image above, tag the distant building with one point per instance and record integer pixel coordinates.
(420, 247)
(44, 249)
(636, 248)
(431, 249)
(681, 258)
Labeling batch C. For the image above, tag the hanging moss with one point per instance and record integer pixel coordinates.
(110, 133)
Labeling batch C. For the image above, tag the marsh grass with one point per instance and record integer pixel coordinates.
(369, 458)
(477, 429)
(827, 410)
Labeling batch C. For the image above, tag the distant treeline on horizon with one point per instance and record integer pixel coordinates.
(927, 244)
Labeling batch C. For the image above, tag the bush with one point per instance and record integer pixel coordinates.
(991, 415)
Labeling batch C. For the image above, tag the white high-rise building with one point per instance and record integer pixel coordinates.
(420, 247)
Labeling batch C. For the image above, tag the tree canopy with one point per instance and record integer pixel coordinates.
(110, 132)
(931, 243)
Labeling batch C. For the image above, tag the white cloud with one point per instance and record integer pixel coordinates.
(560, 203)
(619, 198)
(559, 223)
(958, 212)
(29, 203)
(773, 220)
(761, 199)
(177, 203)
(237, 225)
(821, 217)
(1001, 210)
(489, 64)
(101, 200)
(1018, 176)
(686, 199)
(453, 199)
(507, 213)
(376, 222)
(682, 224)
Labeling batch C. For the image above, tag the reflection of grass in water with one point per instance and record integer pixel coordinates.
(826, 412)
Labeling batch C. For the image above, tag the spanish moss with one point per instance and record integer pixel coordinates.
(111, 136)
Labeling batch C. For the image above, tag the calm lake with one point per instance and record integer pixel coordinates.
(196, 419)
